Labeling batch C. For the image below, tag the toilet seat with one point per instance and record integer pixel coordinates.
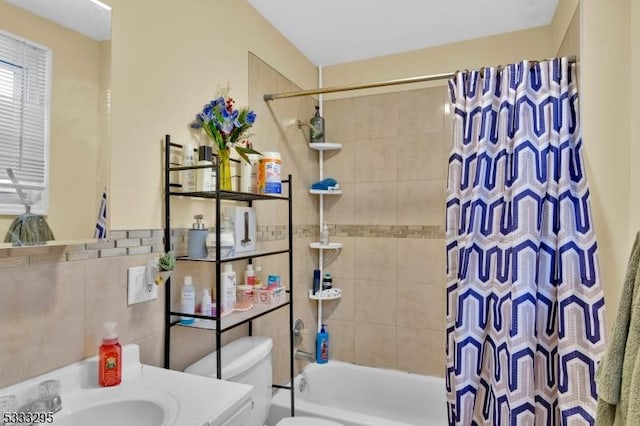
(306, 421)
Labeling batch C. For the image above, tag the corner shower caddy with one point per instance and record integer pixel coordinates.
(216, 323)
(333, 293)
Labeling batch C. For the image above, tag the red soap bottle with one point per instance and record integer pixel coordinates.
(110, 356)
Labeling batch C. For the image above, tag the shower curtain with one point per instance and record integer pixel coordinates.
(524, 303)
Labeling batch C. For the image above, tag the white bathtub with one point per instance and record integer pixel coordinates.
(363, 396)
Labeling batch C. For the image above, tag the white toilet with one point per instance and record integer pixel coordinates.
(248, 360)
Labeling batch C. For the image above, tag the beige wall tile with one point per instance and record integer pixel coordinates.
(421, 351)
(421, 260)
(343, 308)
(376, 160)
(422, 157)
(41, 313)
(374, 345)
(340, 164)
(421, 111)
(376, 203)
(340, 209)
(376, 116)
(376, 259)
(420, 306)
(376, 302)
(421, 203)
(342, 263)
(339, 118)
(341, 340)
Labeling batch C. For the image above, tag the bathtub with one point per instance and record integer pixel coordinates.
(363, 396)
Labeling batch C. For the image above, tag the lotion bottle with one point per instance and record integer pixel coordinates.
(187, 301)
(228, 278)
(205, 178)
(110, 356)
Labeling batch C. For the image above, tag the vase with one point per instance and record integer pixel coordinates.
(224, 169)
(162, 277)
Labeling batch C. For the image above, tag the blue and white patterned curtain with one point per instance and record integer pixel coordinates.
(524, 303)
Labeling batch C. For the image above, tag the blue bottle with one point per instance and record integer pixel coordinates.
(322, 346)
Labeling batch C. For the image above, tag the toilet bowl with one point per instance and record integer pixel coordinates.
(248, 360)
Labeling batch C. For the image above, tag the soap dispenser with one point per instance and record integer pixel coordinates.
(197, 239)
(110, 356)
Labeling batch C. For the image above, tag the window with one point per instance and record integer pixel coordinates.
(25, 87)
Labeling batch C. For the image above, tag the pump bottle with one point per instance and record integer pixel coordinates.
(317, 127)
(110, 356)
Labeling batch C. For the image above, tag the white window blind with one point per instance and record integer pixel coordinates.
(25, 88)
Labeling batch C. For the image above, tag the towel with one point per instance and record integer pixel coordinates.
(618, 375)
(326, 184)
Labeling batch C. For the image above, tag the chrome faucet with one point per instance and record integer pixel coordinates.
(44, 398)
(300, 354)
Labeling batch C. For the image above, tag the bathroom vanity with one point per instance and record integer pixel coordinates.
(147, 396)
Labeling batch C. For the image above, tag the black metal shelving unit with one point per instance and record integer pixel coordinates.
(216, 323)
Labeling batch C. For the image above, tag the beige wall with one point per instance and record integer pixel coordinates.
(606, 117)
(488, 51)
(75, 140)
(161, 78)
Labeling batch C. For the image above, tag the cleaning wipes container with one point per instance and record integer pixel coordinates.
(269, 180)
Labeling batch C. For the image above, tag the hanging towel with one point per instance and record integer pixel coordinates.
(618, 375)
(101, 223)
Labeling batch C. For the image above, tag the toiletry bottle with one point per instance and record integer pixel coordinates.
(188, 177)
(206, 302)
(187, 301)
(249, 276)
(316, 281)
(317, 127)
(257, 280)
(249, 174)
(327, 281)
(110, 356)
(322, 346)
(228, 289)
(324, 235)
(205, 178)
(197, 239)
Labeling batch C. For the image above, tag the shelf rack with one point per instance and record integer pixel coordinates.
(218, 323)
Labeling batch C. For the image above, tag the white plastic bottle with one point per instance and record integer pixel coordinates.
(187, 300)
(188, 177)
(205, 178)
(228, 290)
(324, 235)
(206, 302)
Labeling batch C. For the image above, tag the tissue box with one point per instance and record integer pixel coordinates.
(244, 223)
(269, 297)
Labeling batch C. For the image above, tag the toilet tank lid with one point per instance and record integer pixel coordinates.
(237, 357)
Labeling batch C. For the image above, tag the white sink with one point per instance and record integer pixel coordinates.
(147, 396)
(145, 413)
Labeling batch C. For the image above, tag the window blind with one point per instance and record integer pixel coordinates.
(25, 87)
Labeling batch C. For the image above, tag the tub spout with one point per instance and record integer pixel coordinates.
(300, 354)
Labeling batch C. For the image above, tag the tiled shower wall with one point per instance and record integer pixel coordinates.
(390, 218)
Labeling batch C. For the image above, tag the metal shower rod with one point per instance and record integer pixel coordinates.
(419, 79)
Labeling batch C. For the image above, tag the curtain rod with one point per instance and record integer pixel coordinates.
(420, 79)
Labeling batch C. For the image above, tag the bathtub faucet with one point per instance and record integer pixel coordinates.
(300, 354)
